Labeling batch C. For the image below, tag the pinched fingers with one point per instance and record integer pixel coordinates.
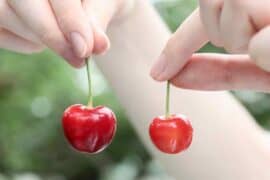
(41, 20)
(222, 72)
(233, 24)
(189, 37)
(227, 23)
(100, 14)
(74, 24)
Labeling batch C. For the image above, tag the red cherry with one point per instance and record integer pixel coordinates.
(88, 129)
(171, 135)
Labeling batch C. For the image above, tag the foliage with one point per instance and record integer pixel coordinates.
(35, 90)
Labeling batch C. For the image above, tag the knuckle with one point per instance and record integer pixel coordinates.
(64, 21)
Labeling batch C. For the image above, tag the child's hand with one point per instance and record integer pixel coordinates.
(240, 26)
(72, 28)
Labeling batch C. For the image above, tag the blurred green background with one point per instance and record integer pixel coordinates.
(35, 90)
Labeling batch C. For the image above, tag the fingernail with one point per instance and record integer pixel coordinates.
(79, 45)
(73, 60)
(159, 67)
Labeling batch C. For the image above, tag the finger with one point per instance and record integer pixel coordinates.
(10, 21)
(259, 13)
(100, 14)
(222, 72)
(236, 28)
(102, 11)
(75, 26)
(189, 37)
(101, 40)
(259, 48)
(11, 41)
(210, 11)
(42, 22)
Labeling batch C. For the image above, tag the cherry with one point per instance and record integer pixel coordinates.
(171, 134)
(89, 129)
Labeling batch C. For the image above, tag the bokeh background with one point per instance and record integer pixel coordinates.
(35, 90)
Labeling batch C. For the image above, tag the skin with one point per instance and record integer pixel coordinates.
(81, 32)
(240, 27)
(74, 29)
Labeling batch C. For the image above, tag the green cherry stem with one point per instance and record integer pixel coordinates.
(167, 108)
(90, 95)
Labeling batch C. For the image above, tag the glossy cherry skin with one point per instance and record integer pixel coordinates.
(171, 135)
(88, 129)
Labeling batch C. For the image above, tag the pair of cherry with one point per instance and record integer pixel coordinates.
(91, 129)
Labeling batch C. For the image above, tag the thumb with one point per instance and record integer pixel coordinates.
(259, 49)
(100, 14)
(189, 37)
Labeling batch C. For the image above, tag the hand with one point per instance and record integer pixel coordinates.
(72, 28)
(240, 27)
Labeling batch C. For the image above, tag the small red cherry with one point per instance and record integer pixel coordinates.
(89, 129)
(171, 135)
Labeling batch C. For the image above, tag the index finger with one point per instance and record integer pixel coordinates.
(188, 38)
(75, 25)
(39, 17)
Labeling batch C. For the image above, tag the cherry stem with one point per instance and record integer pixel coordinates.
(167, 108)
(90, 95)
